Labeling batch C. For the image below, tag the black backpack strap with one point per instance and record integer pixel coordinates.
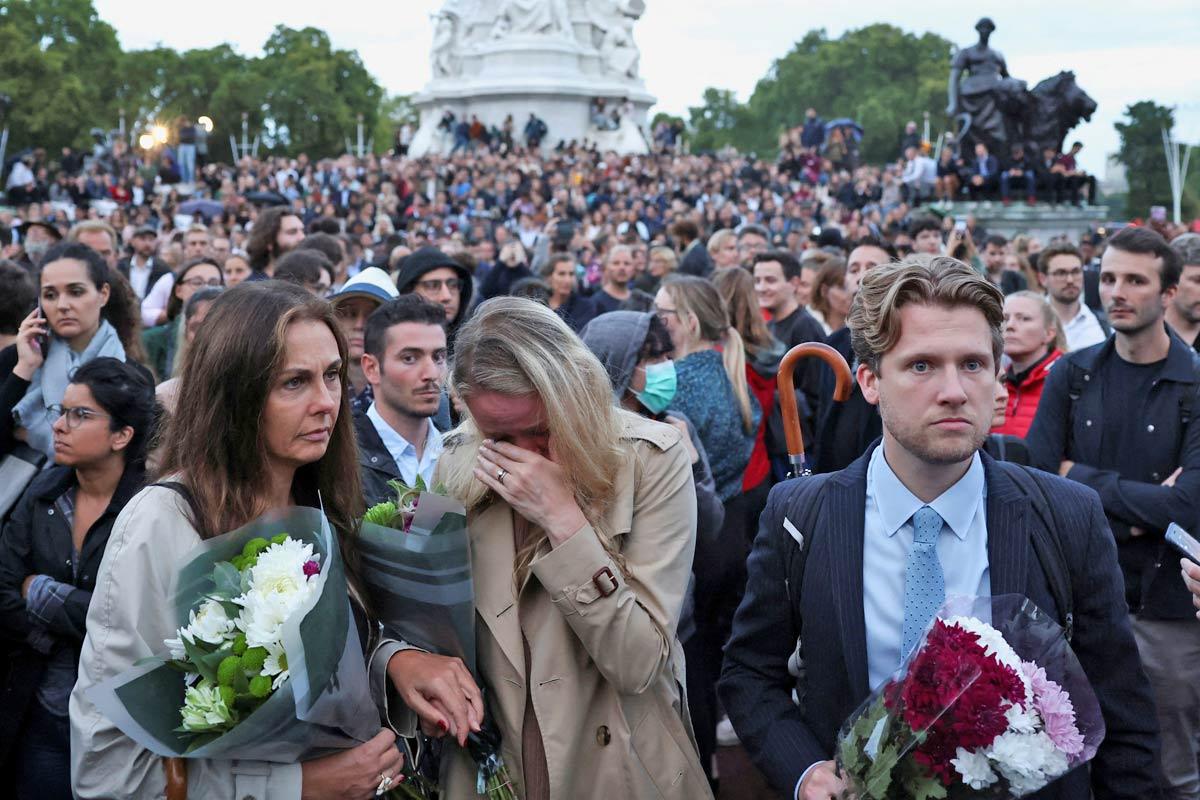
(186, 493)
(1046, 544)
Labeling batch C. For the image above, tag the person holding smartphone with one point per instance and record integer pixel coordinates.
(84, 312)
(1191, 579)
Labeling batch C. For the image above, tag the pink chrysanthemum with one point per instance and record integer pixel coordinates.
(1057, 712)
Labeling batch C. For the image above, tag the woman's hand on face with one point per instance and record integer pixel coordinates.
(355, 773)
(440, 690)
(29, 349)
(534, 486)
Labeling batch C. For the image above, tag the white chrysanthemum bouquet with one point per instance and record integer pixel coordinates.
(232, 647)
(266, 664)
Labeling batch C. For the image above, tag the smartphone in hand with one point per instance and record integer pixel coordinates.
(1184, 542)
(43, 339)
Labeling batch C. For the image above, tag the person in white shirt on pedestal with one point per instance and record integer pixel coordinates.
(405, 364)
(1060, 271)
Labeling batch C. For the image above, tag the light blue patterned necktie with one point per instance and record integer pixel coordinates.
(924, 582)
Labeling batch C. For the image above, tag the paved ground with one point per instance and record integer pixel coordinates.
(739, 779)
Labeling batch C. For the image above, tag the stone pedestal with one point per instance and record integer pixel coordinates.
(1042, 221)
(554, 75)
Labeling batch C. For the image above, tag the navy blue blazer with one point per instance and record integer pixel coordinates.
(784, 739)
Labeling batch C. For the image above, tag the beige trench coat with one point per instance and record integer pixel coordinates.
(606, 667)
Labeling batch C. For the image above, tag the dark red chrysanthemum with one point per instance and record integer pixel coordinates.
(957, 694)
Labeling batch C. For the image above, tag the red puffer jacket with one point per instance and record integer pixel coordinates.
(1024, 395)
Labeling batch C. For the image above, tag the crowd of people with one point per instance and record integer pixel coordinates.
(583, 349)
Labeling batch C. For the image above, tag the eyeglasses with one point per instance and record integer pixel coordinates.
(1065, 273)
(453, 284)
(75, 416)
(664, 313)
(200, 283)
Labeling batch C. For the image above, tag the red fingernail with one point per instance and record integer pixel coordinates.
(442, 726)
(401, 778)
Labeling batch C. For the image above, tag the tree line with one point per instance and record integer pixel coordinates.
(64, 70)
(65, 73)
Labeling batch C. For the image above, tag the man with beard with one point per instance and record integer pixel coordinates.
(1060, 271)
(440, 279)
(864, 557)
(1183, 314)
(405, 363)
(276, 231)
(617, 275)
(1120, 417)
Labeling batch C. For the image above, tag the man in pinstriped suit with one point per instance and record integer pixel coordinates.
(853, 564)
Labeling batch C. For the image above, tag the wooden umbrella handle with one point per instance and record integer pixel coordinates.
(787, 392)
(176, 769)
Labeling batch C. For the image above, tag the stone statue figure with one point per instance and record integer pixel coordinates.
(444, 36)
(989, 104)
(614, 20)
(449, 29)
(536, 17)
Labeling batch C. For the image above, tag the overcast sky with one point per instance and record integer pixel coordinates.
(1121, 52)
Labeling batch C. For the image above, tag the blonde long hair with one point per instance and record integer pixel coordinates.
(514, 346)
(705, 316)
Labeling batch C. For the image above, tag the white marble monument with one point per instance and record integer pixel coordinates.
(552, 58)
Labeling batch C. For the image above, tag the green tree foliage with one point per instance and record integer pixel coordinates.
(394, 111)
(314, 92)
(1145, 160)
(718, 122)
(44, 95)
(51, 52)
(65, 72)
(879, 75)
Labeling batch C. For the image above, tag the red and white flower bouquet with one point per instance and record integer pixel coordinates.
(992, 704)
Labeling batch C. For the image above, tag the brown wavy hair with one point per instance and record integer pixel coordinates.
(213, 440)
(922, 279)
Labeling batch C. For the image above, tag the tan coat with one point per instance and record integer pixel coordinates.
(606, 669)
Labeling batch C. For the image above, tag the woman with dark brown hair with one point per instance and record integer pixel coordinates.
(262, 422)
(163, 342)
(830, 300)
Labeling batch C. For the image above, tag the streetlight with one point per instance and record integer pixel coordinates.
(146, 141)
(160, 133)
(206, 123)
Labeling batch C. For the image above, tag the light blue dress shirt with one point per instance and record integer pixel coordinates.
(405, 454)
(887, 539)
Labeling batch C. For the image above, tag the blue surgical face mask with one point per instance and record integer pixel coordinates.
(660, 387)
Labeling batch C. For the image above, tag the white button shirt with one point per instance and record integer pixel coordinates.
(405, 454)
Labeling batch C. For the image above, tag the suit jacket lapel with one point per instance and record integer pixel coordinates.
(845, 512)
(1007, 532)
(492, 552)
